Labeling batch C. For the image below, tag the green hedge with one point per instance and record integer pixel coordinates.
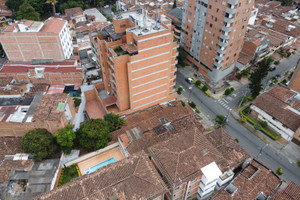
(200, 87)
(253, 123)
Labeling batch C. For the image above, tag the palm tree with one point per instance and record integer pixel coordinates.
(52, 2)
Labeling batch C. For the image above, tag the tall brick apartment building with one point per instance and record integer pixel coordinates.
(213, 33)
(27, 40)
(137, 56)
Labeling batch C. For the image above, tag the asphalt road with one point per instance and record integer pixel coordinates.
(248, 140)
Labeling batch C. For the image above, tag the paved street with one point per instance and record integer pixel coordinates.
(249, 141)
(232, 100)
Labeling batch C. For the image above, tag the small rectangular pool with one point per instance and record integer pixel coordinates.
(99, 165)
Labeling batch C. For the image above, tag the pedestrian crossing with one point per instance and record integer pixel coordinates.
(225, 103)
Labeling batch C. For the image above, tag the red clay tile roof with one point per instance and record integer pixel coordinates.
(53, 26)
(38, 87)
(11, 146)
(291, 192)
(255, 178)
(22, 67)
(149, 118)
(131, 178)
(182, 157)
(4, 81)
(275, 104)
(295, 81)
(46, 109)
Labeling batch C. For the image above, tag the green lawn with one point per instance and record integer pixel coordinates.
(69, 173)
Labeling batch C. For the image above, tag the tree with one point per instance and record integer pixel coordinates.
(242, 99)
(38, 5)
(26, 11)
(40, 143)
(94, 134)
(65, 138)
(181, 56)
(220, 120)
(259, 74)
(115, 122)
(52, 2)
(175, 4)
(14, 5)
(72, 4)
(198, 83)
(204, 88)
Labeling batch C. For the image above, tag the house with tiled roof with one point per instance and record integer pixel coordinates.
(131, 178)
(294, 83)
(280, 108)
(51, 111)
(44, 71)
(20, 176)
(291, 191)
(194, 163)
(255, 181)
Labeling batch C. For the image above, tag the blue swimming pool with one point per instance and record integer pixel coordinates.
(99, 165)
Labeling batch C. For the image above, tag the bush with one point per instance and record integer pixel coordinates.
(40, 143)
(243, 120)
(238, 76)
(242, 99)
(264, 124)
(271, 84)
(237, 140)
(207, 93)
(198, 83)
(65, 138)
(77, 101)
(279, 171)
(232, 89)
(94, 134)
(192, 104)
(277, 62)
(205, 88)
(247, 110)
(257, 126)
(227, 91)
(114, 121)
(197, 110)
(246, 72)
(289, 54)
(182, 103)
(179, 90)
(250, 98)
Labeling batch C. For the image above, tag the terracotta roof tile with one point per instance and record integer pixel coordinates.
(53, 26)
(275, 104)
(291, 192)
(132, 178)
(253, 180)
(47, 108)
(4, 81)
(182, 157)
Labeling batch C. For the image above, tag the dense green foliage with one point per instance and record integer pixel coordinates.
(39, 142)
(71, 4)
(65, 139)
(204, 88)
(220, 120)
(115, 122)
(94, 134)
(258, 75)
(26, 11)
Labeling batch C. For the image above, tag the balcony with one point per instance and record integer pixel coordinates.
(218, 65)
(233, 2)
(231, 11)
(220, 51)
(220, 58)
(224, 37)
(226, 29)
(228, 20)
(111, 66)
(176, 62)
(223, 44)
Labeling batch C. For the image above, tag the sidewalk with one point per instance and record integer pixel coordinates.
(189, 72)
(288, 149)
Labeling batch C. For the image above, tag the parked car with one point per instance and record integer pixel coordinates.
(106, 6)
(272, 69)
(189, 80)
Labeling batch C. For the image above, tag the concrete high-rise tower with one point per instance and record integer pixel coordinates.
(213, 32)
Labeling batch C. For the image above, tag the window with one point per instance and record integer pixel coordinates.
(209, 6)
(234, 55)
(190, 13)
(243, 27)
(217, 9)
(216, 19)
(134, 42)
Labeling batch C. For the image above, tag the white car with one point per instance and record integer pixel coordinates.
(107, 6)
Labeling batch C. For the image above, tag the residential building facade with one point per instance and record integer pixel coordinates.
(213, 33)
(137, 56)
(27, 40)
